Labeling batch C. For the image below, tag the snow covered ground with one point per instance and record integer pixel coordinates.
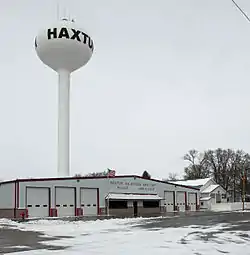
(127, 236)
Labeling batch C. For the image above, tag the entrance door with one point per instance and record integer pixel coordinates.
(135, 208)
(218, 197)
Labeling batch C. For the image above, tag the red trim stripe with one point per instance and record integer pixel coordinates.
(98, 177)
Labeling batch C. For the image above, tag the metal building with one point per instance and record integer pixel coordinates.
(92, 196)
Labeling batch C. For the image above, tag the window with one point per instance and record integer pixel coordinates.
(212, 195)
(118, 204)
(202, 203)
(151, 204)
(223, 196)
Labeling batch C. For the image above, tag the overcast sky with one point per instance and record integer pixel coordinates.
(166, 76)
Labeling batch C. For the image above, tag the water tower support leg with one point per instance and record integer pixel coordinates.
(63, 122)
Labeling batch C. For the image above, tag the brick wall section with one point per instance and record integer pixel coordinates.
(12, 213)
(150, 212)
(128, 212)
(102, 211)
(53, 212)
(7, 213)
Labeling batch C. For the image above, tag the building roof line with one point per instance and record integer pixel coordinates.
(93, 178)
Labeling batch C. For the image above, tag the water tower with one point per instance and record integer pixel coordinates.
(64, 47)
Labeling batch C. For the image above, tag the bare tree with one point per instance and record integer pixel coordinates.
(92, 174)
(226, 166)
(172, 177)
(96, 174)
(77, 175)
(198, 167)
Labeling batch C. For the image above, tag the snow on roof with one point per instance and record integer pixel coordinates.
(205, 198)
(193, 183)
(132, 197)
(210, 188)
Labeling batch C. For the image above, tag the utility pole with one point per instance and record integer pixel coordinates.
(244, 177)
(243, 188)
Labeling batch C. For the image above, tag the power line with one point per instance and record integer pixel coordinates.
(238, 7)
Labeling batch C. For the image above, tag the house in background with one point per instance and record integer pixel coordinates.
(236, 196)
(210, 192)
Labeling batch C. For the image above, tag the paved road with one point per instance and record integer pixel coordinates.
(235, 222)
(202, 219)
(12, 240)
(28, 240)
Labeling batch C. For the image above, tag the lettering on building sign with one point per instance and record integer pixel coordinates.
(140, 186)
(77, 35)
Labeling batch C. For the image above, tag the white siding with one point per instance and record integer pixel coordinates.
(218, 192)
(205, 195)
(105, 185)
(210, 182)
(7, 195)
(206, 204)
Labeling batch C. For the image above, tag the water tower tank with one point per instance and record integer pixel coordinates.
(64, 47)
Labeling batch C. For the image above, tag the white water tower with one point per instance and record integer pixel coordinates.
(64, 47)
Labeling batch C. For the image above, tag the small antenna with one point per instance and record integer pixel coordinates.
(64, 12)
(57, 10)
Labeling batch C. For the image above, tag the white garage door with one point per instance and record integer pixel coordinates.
(192, 201)
(89, 201)
(180, 200)
(169, 200)
(65, 201)
(37, 201)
